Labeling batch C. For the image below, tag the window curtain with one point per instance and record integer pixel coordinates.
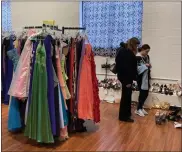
(6, 16)
(109, 23)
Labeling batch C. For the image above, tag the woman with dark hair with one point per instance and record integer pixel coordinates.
(143, 66)
(126, 67)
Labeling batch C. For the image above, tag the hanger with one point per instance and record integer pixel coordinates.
(42, 33)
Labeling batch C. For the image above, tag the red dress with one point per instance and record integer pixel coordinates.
(85, 96)
(96, 104)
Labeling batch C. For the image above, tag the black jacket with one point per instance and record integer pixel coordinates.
(126, 66)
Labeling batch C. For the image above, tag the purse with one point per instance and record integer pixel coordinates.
(113, 68)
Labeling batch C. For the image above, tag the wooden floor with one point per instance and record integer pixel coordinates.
(109, 135)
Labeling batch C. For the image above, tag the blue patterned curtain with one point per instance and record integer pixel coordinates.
(109, 23)
(6, 16)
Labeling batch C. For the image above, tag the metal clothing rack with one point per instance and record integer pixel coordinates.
(43, 26)
(33, 27)
(72, 28)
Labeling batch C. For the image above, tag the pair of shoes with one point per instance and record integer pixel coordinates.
(157, 118)
(127, 120)
(177, 125)
(160, 117)
(141, 112)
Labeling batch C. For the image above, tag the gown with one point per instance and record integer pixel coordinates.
(50, 83)
(85, 97)
(20, 83)
(65, 77)
(63, 94)
(38, 126)
(14, 119)
(96, 104)
(35, 44)
(61, 77)
(63, 116)
(7, 68)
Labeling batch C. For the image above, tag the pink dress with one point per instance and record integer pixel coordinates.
(85, 96)
(20, 83)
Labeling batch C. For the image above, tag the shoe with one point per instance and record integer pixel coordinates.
(157, 118)
(164, 117)
(140, 113)
(127, 120)
(144, 112)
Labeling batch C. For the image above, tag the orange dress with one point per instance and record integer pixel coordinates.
(64, 89)
(85, 95)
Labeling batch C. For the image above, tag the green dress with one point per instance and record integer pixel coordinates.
(38, 125)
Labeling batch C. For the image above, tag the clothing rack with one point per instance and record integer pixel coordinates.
(72, 28)
(30, 27)
(43, 26)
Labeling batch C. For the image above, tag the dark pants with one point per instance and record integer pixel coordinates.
(143, 94)
(125, 104)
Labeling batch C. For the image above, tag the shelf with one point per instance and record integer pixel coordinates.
(152, 98)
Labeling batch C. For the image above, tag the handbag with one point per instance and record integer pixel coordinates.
(113, 68)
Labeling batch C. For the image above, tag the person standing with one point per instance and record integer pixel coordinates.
(126, 68)
(143, 79)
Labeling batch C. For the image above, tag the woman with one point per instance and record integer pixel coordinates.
(126, 67)
(143, 66)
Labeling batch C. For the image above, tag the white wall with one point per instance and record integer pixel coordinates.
(33, 13)
(162, 31)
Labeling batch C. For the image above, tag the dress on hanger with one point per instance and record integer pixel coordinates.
(71, 75)
(20, 83)
(14, 119)
(38, 126)
(35, 44)
(96, 104)
(8, 68)
(56, 90)
(13, 55)
(65, 77)
(63, 116)
(50, 79)
(80, 68)
(85, 97)
(63, 85)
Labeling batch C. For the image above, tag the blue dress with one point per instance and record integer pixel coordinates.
(14, 119)
(8, 43)
(63, 112)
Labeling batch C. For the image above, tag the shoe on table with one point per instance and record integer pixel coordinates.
(144, 112)
(139, 112)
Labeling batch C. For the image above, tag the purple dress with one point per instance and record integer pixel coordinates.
(50, 78)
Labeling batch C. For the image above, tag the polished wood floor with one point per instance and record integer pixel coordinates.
(109, 135)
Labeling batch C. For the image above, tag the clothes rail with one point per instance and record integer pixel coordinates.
(72, 28)
(43, 26)
(52, 27)
(30, 27)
